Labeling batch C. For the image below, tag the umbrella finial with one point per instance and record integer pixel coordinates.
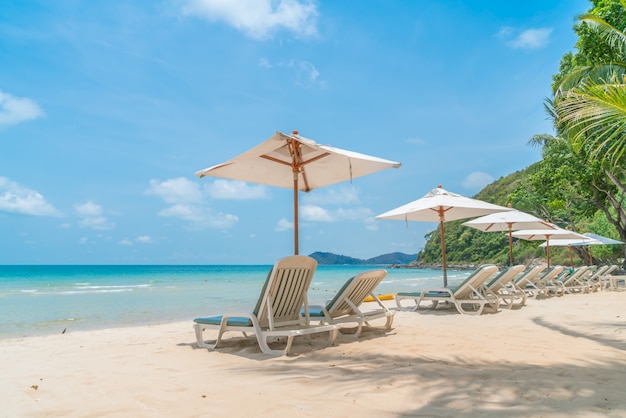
(439, 186)
(294, 132)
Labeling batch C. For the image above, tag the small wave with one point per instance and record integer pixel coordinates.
(114, 287)
(93, 291)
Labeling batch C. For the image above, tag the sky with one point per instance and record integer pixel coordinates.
(108, 108)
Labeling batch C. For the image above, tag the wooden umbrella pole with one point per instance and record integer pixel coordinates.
(295, 213)
(510, 245)
(548, 248)
(443, 248)
(295, 169)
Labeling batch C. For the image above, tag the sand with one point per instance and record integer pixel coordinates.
(559, 357)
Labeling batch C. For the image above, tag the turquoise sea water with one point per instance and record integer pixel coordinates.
(40, 300)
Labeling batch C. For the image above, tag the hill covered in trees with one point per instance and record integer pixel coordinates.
(335, 259)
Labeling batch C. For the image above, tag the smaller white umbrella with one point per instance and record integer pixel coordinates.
(512, 220)
(440, 205)
(590, 239)
(547, 235)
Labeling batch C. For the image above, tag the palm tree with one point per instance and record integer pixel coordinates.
(589, 107)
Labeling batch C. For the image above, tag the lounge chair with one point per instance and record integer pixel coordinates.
(503, 285)
(613, 282)
(548, 284)
(277, 312)
(608, 280)
(346, 306)
(526, 281)
(573, 283)
(470, 297)
(594, 282)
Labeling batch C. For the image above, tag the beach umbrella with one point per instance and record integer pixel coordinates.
(511, 220)
(548, 235)
(298, 163)
(440, 205)
(591, 239)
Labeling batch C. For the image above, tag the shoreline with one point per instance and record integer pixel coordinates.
(559, 357)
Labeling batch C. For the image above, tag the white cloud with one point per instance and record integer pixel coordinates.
(340, 195)
(88, 209)
(186, 200)
(126, 242)
(306, 74)
(234, 189)
(91, 216)
(284, 225)
(477, 180)
(199, 216)
(530, 38)
(16, 109)
(144, 239)
(312, 213)
(175, 190)
(15, 198)
(259, 19)
(356, 214)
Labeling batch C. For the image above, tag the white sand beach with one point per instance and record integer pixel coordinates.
(560, 357)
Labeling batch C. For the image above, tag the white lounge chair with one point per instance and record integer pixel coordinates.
(526, 281)
(278, 312)
(347, 305)
(573, 283)
(548, 284)
(594, 282)
(503, 285)
(470, 297)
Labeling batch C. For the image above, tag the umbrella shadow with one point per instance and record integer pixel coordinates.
(563, 329)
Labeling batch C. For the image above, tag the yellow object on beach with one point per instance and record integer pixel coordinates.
(381, 297)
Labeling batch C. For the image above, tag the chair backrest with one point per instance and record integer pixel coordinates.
(285, 292)
(504, 277)
(475, 280)
(552, 274)
(601, 271)
(530, 275)
(576, 275)
(354, 290)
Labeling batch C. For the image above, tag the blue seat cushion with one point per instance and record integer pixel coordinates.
(315, 312)
(234, 321)
(431, 294)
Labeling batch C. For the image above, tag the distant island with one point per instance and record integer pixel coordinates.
(335, 259)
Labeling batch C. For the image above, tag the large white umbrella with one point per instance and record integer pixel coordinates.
(512, 220)
(440, 205)
(298, 163)
(548, 235)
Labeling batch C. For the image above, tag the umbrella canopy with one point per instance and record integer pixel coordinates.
(298, 163)
(440, 205)
(548, 235)
(512, 220)
(590, 239)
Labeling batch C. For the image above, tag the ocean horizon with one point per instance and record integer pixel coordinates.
(38, 300)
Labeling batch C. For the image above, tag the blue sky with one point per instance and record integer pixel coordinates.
(108, 108)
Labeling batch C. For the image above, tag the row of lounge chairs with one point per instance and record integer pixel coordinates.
(486, 289)
(282, 309)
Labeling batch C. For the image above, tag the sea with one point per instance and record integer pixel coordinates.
(38, 300)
